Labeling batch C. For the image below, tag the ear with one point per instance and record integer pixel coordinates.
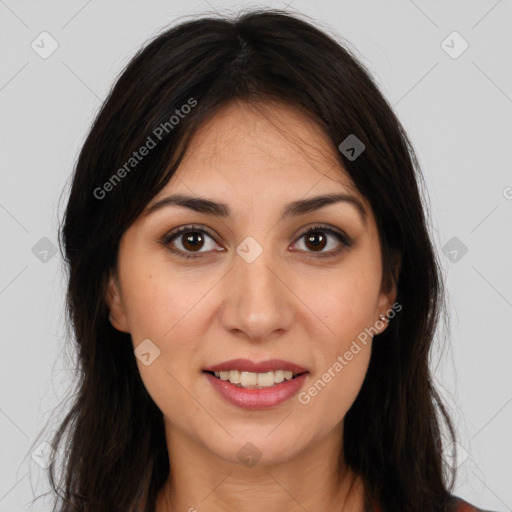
(117, 315)
(389, 292)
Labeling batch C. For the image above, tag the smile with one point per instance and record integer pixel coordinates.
(251, 380)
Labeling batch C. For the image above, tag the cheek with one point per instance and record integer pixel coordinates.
(165, 309)
(161, 301)
(171, 309)
(332, 390)
(341, 303)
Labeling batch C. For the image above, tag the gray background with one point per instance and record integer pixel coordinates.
(457, 111)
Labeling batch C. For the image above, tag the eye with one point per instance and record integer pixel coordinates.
(317, 238)
(189, 240)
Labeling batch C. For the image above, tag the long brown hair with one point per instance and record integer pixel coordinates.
(115, 453)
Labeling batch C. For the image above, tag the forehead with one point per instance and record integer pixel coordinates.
(258, 149)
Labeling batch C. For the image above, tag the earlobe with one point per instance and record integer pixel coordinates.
(117, 313)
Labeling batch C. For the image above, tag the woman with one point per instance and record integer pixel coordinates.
(252, 286)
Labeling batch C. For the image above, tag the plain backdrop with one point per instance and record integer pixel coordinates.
(446, 68)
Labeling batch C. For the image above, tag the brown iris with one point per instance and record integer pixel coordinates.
(317, 239)
(193, 240)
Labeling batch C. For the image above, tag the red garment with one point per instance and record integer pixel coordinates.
(464, 506)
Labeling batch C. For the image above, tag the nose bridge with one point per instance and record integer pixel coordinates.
(258, 302)
(258, 278)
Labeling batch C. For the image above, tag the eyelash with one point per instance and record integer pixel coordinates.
(168, 238)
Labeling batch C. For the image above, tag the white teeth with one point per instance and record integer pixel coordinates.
(265, 380)
(234, 377)
(255, 380)
(248, 379)
(279, 376)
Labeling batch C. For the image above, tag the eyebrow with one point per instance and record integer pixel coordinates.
(222, 210)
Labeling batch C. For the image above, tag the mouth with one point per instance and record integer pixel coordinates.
(248, 374)
(255, 380)
(251, 386)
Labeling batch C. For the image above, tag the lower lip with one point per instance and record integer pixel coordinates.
(257, 398)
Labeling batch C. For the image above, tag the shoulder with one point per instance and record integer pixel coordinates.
(461, 505)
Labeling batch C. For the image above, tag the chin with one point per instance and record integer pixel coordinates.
(263, 446)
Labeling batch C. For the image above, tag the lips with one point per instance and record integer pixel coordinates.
(265, 394)
(246, 365)
(262, 398)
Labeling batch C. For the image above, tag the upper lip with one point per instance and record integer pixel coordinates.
(246, 365)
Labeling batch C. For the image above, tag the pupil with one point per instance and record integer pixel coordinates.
(191, 241)
(314, 239)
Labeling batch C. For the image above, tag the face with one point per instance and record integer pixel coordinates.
(253, 279)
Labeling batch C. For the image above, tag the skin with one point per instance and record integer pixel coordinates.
(289, 304)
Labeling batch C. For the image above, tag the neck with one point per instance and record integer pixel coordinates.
(316, 479)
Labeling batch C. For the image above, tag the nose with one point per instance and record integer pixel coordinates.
(258, 301)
